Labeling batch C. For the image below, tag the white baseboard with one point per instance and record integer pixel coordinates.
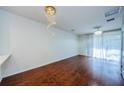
(56, 60)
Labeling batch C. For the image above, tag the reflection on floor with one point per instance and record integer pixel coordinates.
(78, 70)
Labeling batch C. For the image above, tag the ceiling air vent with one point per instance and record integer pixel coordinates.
(113, 12)
(111, 19)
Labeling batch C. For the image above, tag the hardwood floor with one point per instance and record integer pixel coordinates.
(78, 70)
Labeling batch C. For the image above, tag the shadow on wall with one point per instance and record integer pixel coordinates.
(5, 67)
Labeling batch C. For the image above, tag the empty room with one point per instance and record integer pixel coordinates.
(61, 46)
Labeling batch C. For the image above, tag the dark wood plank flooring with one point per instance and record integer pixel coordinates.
(74, 71)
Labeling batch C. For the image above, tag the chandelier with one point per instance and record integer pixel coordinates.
(50, 13)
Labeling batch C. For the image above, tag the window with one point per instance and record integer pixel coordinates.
(105, 46)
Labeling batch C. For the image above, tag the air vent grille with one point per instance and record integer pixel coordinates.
(113, 12)
(112, 19)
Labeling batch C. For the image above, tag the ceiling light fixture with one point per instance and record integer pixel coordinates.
(50, 12)
(98, 31)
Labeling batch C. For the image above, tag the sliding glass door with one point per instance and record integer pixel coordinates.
(107, 46)
(112, 46)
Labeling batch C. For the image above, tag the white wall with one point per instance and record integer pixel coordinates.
(83, 45)
(86, 44)
(4, 45)
(31, 45)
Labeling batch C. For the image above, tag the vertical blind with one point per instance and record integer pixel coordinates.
(105, 46)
